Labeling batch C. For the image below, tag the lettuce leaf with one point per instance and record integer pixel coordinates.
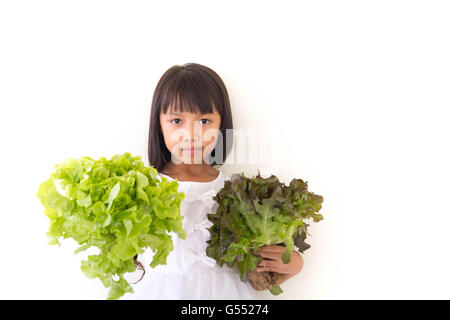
(117, 205)
(254, 212)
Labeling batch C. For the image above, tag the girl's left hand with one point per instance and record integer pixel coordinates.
(272, 260)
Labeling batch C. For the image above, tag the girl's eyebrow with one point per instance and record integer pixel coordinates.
(180, 114)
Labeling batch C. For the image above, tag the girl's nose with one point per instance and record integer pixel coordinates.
(195, 131)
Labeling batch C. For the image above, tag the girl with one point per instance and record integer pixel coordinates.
(189, 118)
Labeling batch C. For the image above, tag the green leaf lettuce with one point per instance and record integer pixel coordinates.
(117, 205)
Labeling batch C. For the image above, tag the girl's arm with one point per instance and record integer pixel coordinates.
(297, 270)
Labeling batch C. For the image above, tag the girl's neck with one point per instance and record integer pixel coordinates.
(190, 172)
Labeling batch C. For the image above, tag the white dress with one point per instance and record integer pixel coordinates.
(189, 272)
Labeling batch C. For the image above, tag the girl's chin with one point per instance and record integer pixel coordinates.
(195, 158)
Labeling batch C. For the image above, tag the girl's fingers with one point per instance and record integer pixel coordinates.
(271, 258)
(268, 265)
(270, 255)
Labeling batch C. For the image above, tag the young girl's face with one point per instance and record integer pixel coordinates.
(190, 137)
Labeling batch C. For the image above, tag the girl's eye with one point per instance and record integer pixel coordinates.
(208, 121)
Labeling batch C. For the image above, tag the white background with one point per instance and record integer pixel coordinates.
(355, 92)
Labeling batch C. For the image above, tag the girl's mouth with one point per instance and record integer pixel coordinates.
(191, 151)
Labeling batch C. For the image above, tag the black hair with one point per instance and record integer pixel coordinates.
(191, 87)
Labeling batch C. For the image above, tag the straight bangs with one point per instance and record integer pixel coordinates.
(191, 92)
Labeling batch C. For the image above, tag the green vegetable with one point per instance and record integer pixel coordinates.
(257, 211)
(116, 205)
